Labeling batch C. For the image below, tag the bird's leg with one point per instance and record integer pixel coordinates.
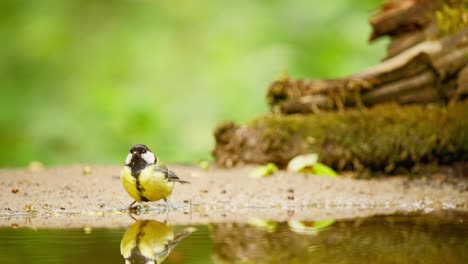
(134, 208)
(128, 208)
(167, 207)
(133, 216)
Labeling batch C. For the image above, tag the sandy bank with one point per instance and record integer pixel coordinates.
(66, 197)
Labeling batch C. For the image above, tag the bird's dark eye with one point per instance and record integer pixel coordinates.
(144, 151)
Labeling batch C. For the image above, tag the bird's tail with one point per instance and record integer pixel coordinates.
(173, 177)
(180, 181)
(170, 175)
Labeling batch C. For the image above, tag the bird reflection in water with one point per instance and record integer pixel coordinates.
(149, 241)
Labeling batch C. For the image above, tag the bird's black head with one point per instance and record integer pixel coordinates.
(139, 149)
(139, 157)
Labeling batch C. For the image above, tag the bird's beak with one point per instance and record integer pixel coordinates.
(134, 153)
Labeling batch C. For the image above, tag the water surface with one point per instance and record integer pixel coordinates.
(440, 237)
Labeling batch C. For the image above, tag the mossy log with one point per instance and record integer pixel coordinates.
(384, 138)
(428, 72)
(409, 22)
(426, 67)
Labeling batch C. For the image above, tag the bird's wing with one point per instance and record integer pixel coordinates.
(179, 237)
(168, 174)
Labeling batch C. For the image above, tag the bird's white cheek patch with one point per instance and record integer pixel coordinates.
(128, 159)
(149, 157)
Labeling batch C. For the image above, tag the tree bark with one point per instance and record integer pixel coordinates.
(427, 66)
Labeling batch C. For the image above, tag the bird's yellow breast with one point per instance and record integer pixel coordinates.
(149, 236)
(149, 185)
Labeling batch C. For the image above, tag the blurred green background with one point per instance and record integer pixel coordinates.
(83, 80)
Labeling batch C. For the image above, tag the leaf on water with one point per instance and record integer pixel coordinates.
(87, 230)
(309, 227)
(302, 162)
(322, 169)
(308, 164)
(302, 227)
(263, 224)
(323, 224)
(263, 171)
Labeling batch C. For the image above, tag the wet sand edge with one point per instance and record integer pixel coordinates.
(74, 197)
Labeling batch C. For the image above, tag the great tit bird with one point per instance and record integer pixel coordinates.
(150, 241)
(145, 177)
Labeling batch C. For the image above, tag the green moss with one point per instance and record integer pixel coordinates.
(452, 17)
(382, 138)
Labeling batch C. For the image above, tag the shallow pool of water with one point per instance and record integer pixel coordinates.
(440, 237)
